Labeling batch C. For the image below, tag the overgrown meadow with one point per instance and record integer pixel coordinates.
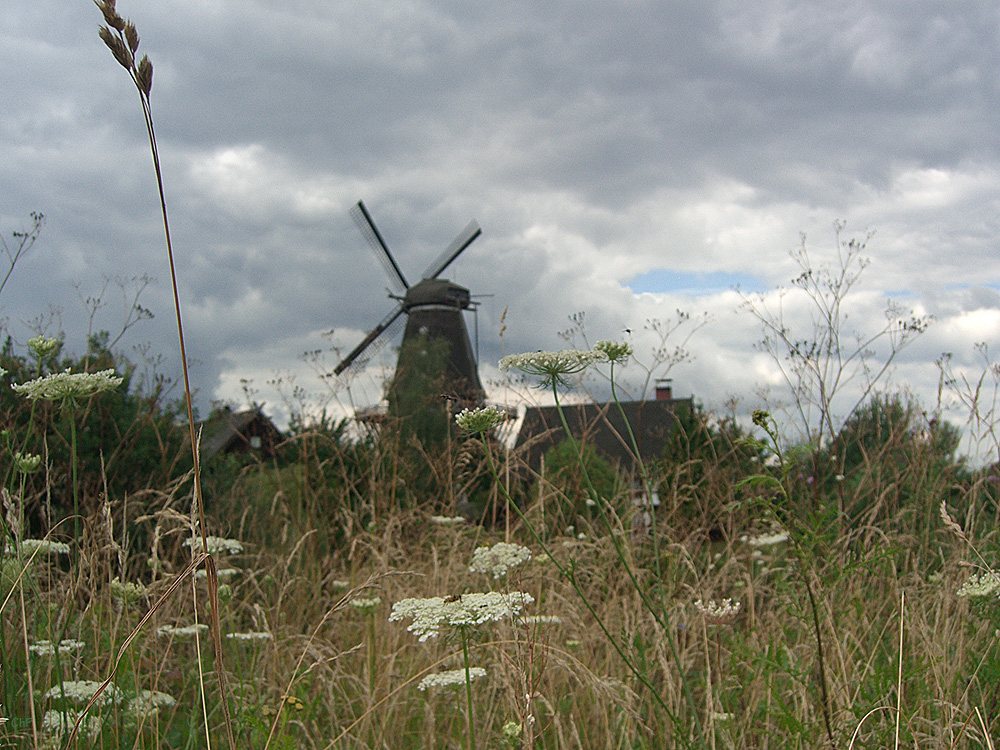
(825, 576)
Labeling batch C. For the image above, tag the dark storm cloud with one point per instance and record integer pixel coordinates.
(593, 141)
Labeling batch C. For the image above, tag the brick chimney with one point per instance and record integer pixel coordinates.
(664, 389)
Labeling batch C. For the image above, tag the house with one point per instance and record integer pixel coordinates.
(602, 426)
(242, 432)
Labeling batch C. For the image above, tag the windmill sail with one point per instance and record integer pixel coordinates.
(433, 308)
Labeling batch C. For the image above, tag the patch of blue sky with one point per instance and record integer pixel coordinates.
(668, 281)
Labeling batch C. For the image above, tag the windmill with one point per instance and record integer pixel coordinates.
(433, 308)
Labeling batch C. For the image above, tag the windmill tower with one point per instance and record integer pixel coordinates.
(433, 308)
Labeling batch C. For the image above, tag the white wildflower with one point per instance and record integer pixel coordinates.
(148, 702)
(718, 613)
(68, 385)
(543, 620)
(511, 732)
(613, 351)
(980, 585)
(128, 592)
(551, 367)
(450, 678)
(250, 636)
(499, 558)
(216, 545)
(766, 540)
(27, 463)
(448, 520)
(480, 420)
(47, 648)
(42, 346)
(44, 547)
(60, 722)
(366, 604)
(338, 585)
(81, 691)
(221, 572)
(170, 631)
(430, 615)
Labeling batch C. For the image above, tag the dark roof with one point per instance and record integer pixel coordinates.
(228, 431)
(601, 426)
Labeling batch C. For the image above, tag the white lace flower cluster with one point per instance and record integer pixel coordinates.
(480, 420)
(148, 702)
(543, 620)
(58, 722)
(44, 547)
(42, 346)
(613, 351)
(766, 540)
(448, 520)
(979, 585)
(252, 635)
(551, 367)
(450, 677)
(188, 631)
(68, 385)
(223, 573)
(127, 592)
(216, 545)
(430, 615)
(47, 648)
(366, 603)
(27, 463)
(499, 558)
(81, 691)
(718, 613)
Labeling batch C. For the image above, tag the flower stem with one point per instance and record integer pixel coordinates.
(468, 691)
(569, 574)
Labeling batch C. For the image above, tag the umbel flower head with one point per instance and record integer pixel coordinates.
(43, 347)
(450, 677)
(44, 547)
(148, 702)
(498, 559)
(613, 351)
(480, 420)
(430, 615)
(81, 691)
(27, 463)
(979, 585)
(68, 386)
(217, 545)
(47, 648)
(551, 367)
(718, 613)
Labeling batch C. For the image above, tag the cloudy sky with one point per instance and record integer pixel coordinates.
(625, 159)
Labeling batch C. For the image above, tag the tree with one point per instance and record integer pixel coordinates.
(888, 456)
(126, 439)
(564, 467)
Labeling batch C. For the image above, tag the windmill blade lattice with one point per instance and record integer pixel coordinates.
(374, 237)
(445, 259)
(377, 331)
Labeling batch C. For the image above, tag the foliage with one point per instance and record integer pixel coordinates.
(886, 459)
(127, 439)
(567, 464)
(704, 457)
